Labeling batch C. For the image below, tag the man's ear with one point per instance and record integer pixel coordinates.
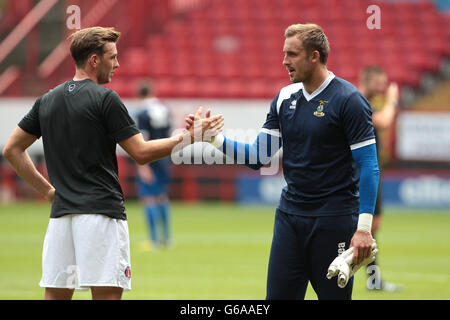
(315, 56)
(94, 61)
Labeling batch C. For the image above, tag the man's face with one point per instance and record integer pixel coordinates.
(376, 84)
(297, 60)
(108, 63)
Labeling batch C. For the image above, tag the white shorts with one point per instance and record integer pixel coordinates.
(86, 250)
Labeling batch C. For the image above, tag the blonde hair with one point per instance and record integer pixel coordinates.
(313, 38)
(88, 41)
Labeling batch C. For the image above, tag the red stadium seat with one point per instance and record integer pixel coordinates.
(233, 48)
(234, 88)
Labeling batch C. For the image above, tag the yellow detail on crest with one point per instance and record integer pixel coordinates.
(319, 112)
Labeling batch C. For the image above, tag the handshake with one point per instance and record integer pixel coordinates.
(344, 268)
(203, 129)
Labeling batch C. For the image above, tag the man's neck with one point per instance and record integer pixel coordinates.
(81, 74)
(318, 77)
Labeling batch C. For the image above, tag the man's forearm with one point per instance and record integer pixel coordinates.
(366, 160)
(22, 164)
(253, 155)
(153, 150)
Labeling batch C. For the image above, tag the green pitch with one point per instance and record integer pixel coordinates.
(221, 252)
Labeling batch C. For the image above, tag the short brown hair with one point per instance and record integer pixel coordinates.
(313, 38)
(88, 41)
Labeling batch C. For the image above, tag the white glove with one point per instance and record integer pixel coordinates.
(344, 268)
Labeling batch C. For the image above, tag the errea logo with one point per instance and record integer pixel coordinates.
(293, 105)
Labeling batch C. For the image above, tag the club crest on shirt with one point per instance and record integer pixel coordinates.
(127, 272)
(319, 111)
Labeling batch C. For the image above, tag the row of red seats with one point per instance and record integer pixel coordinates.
(227, 48)
(191, 87)
(141, 63)
(237, 87)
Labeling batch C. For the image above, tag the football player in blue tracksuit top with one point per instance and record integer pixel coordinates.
(155, 122)
(324, 125)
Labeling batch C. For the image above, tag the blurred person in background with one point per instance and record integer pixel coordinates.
(155, 122)
(383, 98)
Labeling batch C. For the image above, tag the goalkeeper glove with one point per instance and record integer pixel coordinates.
(343, 266)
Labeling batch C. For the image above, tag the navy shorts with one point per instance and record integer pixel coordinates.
(302, 249)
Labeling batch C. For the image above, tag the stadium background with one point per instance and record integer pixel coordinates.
(226, 54)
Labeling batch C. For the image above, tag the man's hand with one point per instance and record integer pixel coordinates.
(362, 242)
(344, 268)
(206, 128)
(392, 94)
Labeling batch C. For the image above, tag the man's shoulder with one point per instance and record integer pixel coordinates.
(286, 93)
(103, 95)
(73, 87)
(343, 87)
(56, 90)
(99, 89)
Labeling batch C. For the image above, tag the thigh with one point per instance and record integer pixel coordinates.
(286, 277)
(331, 236)
(58, 255)
(102, 251)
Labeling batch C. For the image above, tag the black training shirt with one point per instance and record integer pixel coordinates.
(81, 123)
